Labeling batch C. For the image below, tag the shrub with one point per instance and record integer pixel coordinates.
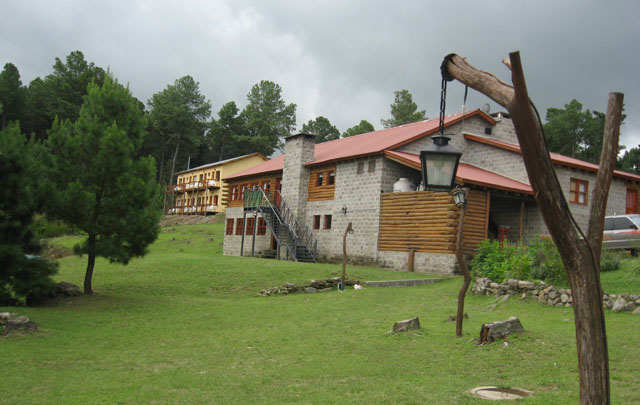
(488, 261)
(539, 260)
(609, 261)
(547, 263)
(46, 228)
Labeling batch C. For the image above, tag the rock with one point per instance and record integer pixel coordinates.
(523, 297)
(553, 294)
(636, 311)
(526, 285)
(4, 316)
(20, 323)
(311, 290)
(65, 289)
(619, 304)
(407, 324)
(325, 289)
(500, 329)
(564, 298)
(512, 282)
(494, 285)
(542, 298)
(629, 306)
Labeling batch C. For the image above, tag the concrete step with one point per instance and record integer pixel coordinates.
(403, 283)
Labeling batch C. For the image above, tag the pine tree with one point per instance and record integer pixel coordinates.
(22, 276)
(104, 189)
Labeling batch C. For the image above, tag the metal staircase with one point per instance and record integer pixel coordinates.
(300, 243)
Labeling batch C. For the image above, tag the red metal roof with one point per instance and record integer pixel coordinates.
(467, 173)
(555, 157)
(370, 143)
(376, 142)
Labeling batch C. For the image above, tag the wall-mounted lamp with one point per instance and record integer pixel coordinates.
(344, 209)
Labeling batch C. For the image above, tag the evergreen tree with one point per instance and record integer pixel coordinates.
(22, 277)
(404, 110)
(225, 133)
(12, 95)
(574, 132)
(322, 128)
(362, 128)
(178, 121)
(104, 189)
(267, 118)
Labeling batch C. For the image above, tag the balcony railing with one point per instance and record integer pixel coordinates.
(194, 209)
(213, 183)
(175, 188)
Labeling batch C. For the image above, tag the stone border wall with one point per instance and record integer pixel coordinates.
(550, 295)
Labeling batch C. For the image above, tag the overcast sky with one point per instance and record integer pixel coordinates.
(339, 59)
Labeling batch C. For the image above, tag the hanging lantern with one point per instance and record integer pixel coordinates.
(439, 164)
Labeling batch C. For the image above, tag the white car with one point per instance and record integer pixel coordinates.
(622, 232)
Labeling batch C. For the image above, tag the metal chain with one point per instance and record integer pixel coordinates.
(443, 103)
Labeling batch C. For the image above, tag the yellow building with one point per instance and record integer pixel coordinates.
(200, 191)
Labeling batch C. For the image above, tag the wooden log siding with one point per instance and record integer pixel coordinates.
(326, 190)
(426, 221)
(248, 183)
(475, 222)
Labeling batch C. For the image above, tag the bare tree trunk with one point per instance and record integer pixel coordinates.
(90, 264)
(173, 161)
(161, 168)
(580, 262)
(465, 272)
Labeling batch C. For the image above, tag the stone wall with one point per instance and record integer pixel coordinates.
(233, 243)
(298, 150)
(550, 295)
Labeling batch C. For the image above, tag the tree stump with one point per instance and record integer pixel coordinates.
(408, 324)
(500, 329)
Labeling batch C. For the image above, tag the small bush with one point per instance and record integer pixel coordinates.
(488, 261)
(609, 261)
(45, 228)
(538, 260)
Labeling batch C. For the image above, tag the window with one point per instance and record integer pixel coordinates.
(331, 179)
(578, 190)
(218, 175)
(201, 176)
(316, 222)
(327, 222)
(320, 179)
(244, 187)
(266, 185)
(234, 193)
(360, 167)
(215, 200)
(239, 226)
(180, 181)
(262, 226)
(250, 226)
(372, 166)
(229, 226)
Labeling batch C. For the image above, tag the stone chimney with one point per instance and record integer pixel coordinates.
(298, 150)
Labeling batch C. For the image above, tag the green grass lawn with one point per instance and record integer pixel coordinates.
(184, 325)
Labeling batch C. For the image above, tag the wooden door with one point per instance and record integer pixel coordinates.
(632, 201)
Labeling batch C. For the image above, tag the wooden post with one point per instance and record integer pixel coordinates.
(486, 216)
(578, 253)
(466, 276)
(344, 253)
(410, 260)
(244, 228)
(521, 220)
(255, 228)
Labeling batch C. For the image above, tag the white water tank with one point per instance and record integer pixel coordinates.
(403, 185)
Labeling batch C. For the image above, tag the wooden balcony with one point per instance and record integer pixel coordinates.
(212, 184)
(195, 209)
(175, 188)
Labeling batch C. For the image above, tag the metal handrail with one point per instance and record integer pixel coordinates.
(257, 199)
